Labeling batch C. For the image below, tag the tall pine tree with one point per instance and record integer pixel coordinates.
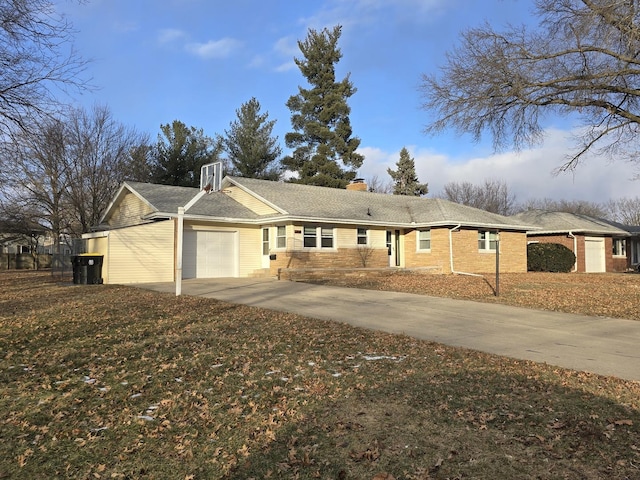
(324, 152)
(405, 178)
(180, 153)
(251, 149)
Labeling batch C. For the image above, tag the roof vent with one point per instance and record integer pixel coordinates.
(211, 177)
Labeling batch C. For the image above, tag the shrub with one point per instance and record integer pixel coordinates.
(549, 257)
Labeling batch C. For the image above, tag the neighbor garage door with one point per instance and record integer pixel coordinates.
(209, 254)
(594, 260)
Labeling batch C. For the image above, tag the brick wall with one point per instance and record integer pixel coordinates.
(468, 258)
(612, 264)
(340, 258)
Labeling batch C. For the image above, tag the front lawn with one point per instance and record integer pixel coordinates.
(597, 294)
(117, 382)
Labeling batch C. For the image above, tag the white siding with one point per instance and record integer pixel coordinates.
(143, 253)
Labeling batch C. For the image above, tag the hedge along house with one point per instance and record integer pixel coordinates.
(250, 227)
(599, 245)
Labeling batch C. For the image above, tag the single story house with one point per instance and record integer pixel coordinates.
(599, 245)
(248, 227)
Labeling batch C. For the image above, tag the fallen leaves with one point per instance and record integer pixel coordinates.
(117, 382)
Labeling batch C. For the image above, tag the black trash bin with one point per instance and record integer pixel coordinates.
(87, 269)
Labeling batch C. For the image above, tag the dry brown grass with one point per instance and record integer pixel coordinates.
(607, 294)
(103, 382)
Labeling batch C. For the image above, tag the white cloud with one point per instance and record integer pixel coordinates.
(528, 174)
(169, 35)
(214, 48)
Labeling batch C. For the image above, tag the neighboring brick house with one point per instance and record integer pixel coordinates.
(599, 245)
(252, 227)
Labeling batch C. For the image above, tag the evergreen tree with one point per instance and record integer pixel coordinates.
(251, 149)
(180, 153)
(405, 178)
(320, 117)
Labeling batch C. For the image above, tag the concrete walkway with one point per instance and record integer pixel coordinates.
(606, 346)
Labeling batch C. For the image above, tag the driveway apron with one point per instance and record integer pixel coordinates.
(606, 346)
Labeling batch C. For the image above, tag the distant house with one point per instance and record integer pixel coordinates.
(599, 245)
(250, 227)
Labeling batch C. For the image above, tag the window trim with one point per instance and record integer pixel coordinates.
(360, 236)
(266, 242)
(622, 242)
(319, 238)
(487, 237)
(282, 237)
(420, 240)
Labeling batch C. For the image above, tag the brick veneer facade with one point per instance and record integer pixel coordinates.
(466, 255)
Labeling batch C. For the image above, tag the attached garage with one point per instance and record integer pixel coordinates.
(210, 254)
(594, 255)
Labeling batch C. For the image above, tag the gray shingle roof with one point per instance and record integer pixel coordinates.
(560, 222)
(307, 201)
(167, 198)
(321, 204)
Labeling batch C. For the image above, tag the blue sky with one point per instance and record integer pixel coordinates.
(197, 61)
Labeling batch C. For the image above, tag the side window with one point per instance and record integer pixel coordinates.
(619, 247)
(265, 241)
(362, 236)
(424, 239)
(281, 237)
(486, 240)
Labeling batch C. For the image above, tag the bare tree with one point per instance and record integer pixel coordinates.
(375, 185)
(624, 210)
(66, 171)
(36, 186)
(583, 59)
(38, 62)
(493, 195)
(580, 207)
(99, 159)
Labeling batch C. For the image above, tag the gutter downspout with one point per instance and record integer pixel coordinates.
(179, 233)
(575, 249)
(451, 230)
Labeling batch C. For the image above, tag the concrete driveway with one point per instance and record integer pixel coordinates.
(600, 345)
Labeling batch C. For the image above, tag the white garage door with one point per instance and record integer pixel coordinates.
(594, 254)
(208, 254)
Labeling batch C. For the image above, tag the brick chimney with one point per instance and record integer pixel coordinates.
(357, 184)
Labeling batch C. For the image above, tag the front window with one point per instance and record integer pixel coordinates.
(281, 237)
(487, 240)
(310, 237)
(326, 237)
(424, 239)
(314, 237)
(362, 236)
(619, 247)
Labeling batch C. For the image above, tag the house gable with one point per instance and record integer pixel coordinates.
(249, 201)
(128, 210)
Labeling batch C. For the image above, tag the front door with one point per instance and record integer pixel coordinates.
(393, 247)
(265, 247)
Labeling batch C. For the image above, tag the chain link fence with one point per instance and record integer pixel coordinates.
(61, 261)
